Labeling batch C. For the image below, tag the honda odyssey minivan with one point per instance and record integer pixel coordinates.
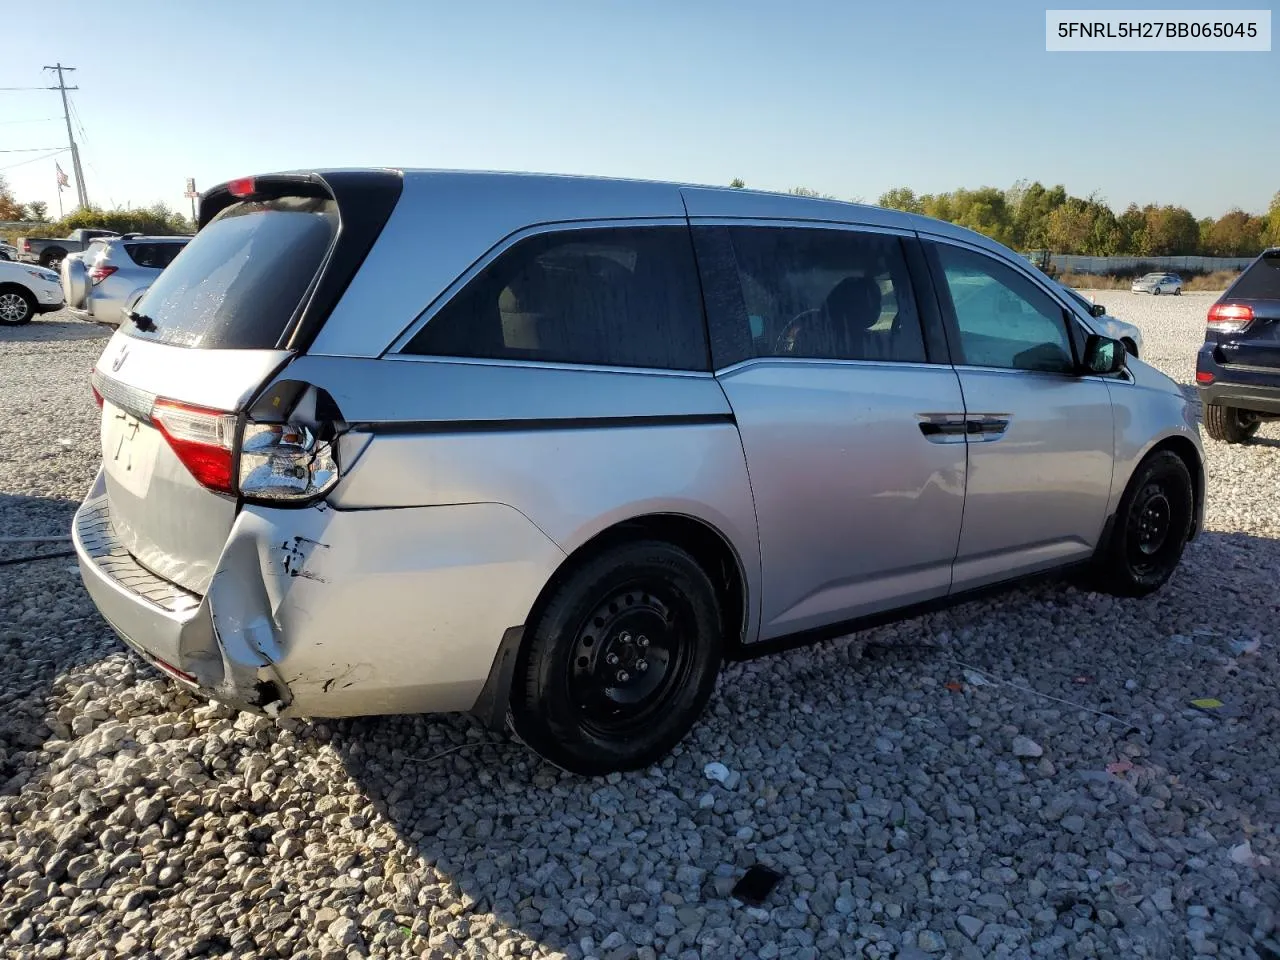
(550, 449)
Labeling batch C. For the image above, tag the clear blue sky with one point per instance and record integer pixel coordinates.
(846, 98)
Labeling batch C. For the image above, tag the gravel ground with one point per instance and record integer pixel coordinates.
(1019, 777)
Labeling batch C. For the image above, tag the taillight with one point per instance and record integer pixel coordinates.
(1230, 317)
(242, 187)
(1204, 376)
(204, 440)
(100, 273)
(285, 461)
(26, 245)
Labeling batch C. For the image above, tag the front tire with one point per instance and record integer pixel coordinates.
(620, 662)
(17, 306)
(1150, 529)
(1155, 291)
(1229, 424)
(1177, 291)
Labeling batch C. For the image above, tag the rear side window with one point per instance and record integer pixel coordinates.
(621, 297)
(1261, 281)
(239, 282)
(825, 294)
(154, 255)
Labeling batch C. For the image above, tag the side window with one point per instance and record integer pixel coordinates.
(156, 255)
(1004, 319)
(625, 297)
(825, 294)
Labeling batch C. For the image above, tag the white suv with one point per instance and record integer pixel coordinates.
(26, 290)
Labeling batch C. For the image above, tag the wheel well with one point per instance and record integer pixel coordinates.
(1186, 450)
(18, 287)
(702, 541)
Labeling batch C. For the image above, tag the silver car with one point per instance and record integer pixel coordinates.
(1158, 283)
(112, 274)
(550, 449)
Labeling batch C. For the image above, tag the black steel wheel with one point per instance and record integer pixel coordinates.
(1150, 529)
(621, 660)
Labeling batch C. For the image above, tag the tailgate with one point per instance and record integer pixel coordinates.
(161, 513)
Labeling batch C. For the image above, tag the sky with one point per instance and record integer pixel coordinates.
(849, 99)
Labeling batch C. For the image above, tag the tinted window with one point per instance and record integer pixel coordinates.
(154, 255)
(238, 284)
(1004, 319)
(625, 297)
(825, 294)
(1261, 281)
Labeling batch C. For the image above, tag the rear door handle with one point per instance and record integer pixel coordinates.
(943, 427)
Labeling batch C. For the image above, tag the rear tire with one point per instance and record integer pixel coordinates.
(620, 662)
(17, 306)
(1150, 529)
(1229, 424)
(53, 258)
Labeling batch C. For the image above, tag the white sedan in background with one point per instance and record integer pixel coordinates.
(1106, 324)
(1158, 283)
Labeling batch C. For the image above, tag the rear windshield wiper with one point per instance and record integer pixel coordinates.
(143, 323)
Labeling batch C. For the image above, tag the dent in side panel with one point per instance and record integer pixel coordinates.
(573, 483)
(378, 611)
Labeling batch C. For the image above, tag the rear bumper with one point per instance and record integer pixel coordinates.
(326, 613)
(1254, 398)
(1254, 389)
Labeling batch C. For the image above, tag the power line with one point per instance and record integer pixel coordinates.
(47, 156)
(84, 138)
(30, 149)
(32, 120)
(28, 88)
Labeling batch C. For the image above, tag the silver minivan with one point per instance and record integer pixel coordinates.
(549, 449)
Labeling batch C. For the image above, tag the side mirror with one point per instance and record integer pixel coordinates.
(1103, 355)
(1098, 310)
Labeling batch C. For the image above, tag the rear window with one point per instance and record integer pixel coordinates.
(154, 255)
(238, 284)
(1261, 281)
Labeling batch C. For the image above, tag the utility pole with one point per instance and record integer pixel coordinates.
(81, 194)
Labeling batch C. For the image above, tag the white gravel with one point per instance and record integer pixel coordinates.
(1020, 777)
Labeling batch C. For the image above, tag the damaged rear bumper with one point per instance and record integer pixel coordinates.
(327, 613)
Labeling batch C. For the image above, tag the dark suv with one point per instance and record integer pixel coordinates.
(1238, 368)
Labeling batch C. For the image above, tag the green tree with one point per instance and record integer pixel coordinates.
(1133, 230)
(1273, 221)
(157, 220)
(1170, 231)
(37, 211)
(1234, 234)
(806, 192)
(737, 183)
(901, 198)
(1031, 205)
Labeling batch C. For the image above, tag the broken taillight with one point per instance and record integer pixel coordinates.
(204, 440)
(285, 461)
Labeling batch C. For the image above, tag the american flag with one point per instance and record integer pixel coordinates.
(62, 177)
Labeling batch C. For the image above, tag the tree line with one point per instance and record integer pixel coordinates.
(1031, 216)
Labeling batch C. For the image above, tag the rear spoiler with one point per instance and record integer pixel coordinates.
(364, 198)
